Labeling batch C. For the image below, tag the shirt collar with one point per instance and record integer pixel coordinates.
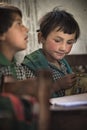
(5, 61)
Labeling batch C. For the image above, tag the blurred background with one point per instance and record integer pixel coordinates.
(33, 10)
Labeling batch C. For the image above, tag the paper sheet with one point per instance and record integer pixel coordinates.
(74, 100)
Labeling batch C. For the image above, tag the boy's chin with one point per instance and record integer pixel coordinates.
(60, 58)
(21, 49)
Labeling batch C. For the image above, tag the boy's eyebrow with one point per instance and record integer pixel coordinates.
(72, 40)
(18, 19)
(59, 37)
(63, 38)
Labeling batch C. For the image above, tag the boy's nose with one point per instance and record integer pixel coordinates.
(63, 46)
(27, 29)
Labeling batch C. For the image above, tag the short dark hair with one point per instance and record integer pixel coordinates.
(61, 19)
(7, 12)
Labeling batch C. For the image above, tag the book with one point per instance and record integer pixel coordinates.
(72, 100)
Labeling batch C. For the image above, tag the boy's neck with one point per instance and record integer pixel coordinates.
(7, 53)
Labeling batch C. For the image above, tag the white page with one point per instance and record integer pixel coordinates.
(73, 100)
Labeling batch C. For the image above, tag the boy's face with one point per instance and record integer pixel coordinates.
(58, 44)
(16, 37)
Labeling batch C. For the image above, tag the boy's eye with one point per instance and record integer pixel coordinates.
(57, 40)
(19, 23)
(70, 42)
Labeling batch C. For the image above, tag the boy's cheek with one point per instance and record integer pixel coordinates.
(68, 49)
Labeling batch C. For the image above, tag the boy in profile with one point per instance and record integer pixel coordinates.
(19, 82)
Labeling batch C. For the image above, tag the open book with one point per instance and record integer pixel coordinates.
(73, 100)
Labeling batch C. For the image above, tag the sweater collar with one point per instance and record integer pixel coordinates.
(5, 61)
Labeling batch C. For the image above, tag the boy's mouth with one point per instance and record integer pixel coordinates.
(26, 38)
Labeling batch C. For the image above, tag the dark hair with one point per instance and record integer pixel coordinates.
(61, 19)
(7, 12)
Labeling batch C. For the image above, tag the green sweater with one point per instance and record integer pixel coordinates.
(36, 61)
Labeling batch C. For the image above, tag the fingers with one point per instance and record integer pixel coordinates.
(69, 80)
(73, 75)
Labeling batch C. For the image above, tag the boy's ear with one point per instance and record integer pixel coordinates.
(2, 37)
(40, 37)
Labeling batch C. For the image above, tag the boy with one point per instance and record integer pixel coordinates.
(58, 32)
(18, 79)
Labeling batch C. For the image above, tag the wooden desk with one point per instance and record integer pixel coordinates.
(68, 118)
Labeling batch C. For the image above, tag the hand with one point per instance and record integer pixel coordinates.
(8, 79)
(65, 82)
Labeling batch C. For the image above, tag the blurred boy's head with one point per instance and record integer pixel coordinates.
(7, 16)
(13, 34)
